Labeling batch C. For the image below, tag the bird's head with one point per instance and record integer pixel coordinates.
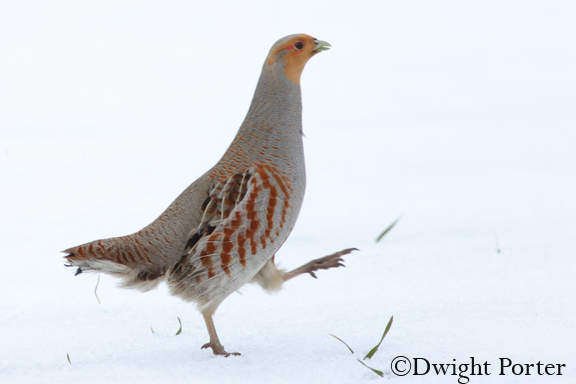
(291, 54)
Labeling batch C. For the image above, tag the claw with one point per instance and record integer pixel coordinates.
(334, 260)
(219, 350)
(331, 261)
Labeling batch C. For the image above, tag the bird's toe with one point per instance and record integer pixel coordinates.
(218, 349)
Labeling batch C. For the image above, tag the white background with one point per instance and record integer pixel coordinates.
(459, 115)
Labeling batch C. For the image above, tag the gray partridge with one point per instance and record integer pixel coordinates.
(224, 230)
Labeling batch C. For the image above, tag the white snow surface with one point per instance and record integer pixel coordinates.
(459, 116)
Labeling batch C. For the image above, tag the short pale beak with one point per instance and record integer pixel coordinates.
(321, 46)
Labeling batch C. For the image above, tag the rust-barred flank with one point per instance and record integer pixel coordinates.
(270, 216)
(282, 186)
(263, 241)
(205, 259)
(210, 247)
(227, 245)
(252, 216)
(236, 221)
(229, 231)
(272, 202)
(284, 212)
(241, 249)
(288, 182)
(264, 176)
(215, 237)
(254, 224)
(225, 256)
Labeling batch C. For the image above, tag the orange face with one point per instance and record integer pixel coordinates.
(295, 53)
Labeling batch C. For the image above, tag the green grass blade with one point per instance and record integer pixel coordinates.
(379, 373)
(388, 229)
(152, 329)
(342, 341)
(180, 330)
(373, 351)
(68, 356)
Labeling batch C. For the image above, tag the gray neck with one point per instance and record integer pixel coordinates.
(274, 119)
(276, 99)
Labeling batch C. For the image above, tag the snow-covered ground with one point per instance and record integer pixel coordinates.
(460, 117)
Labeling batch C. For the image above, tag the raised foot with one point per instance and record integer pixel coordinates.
(331, 261)
(218, 349)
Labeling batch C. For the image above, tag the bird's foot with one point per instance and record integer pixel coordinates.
(334, 260)
(218, 349)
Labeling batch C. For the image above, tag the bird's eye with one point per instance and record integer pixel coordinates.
(299, 45)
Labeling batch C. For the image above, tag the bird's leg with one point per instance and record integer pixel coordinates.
(214, 343)
(331, 261)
